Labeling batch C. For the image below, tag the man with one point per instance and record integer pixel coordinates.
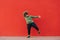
(30, 23)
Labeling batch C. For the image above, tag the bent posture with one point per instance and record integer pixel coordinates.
(30, 23)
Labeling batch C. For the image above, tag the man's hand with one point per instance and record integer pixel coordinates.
(39, 16)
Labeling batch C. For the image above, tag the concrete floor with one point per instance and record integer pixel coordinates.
(32, 38)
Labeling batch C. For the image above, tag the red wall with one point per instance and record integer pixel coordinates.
(12, 22)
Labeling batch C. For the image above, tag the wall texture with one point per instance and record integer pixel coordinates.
(12, 22)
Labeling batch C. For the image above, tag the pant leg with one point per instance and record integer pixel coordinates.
(29, 28)
(35, 26)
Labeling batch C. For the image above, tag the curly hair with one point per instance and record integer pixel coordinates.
(25, 13)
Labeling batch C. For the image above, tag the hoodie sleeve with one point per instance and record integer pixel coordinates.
(34, 16)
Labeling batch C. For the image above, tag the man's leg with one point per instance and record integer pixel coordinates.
(35, 26)
(29, 28)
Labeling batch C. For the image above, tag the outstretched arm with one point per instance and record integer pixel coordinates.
(36, 16)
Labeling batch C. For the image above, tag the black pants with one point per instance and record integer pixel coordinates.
(31, 25)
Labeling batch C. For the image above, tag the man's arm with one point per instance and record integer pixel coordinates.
(36, 16)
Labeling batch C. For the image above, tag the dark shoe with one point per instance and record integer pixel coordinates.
(28, 37)
(38, 32)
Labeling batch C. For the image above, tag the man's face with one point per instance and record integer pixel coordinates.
(27, 15)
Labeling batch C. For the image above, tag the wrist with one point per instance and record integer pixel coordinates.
(39, 16)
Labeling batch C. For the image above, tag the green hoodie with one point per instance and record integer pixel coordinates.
(29, 19)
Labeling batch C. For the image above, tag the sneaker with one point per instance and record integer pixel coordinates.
(38, 32)
(28, 37)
